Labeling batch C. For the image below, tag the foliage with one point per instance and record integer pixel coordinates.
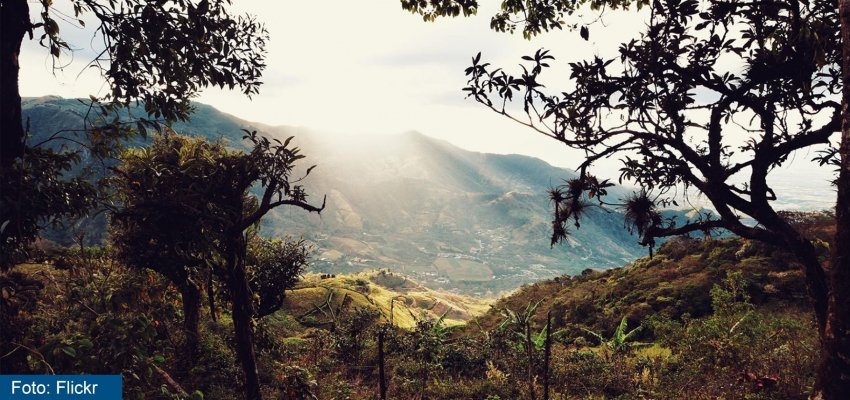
(94, 314)
(739, 350)
(160, 223)
(37, 193)
(534, 16)
(274, 267)
(632, 108)
(676, 281)
(649, 108)
(205, 189)
(97, 317)
(620, 339)
(162, 54)
(159, 53)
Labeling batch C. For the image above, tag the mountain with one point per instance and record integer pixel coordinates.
(451, 218)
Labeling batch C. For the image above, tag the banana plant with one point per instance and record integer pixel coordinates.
(619, 340)
(520, 323)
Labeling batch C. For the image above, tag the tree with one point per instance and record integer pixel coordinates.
(191, 201)
(677, 118)
(34, 196)
(274, 267)
(235, 211)
(161, 53)
(159, 225)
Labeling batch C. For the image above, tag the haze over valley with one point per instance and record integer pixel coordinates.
(453, 219)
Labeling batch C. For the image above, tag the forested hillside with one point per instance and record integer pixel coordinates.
(703, 318)
(386, 232)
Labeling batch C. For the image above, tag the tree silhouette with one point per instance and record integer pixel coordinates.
(678, 117)
(159, 225)
(161, 53)
(188, 201)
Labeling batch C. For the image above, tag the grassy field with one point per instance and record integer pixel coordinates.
(463, 270)
(316, 299)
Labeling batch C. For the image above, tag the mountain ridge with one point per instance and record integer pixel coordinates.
(451, 218)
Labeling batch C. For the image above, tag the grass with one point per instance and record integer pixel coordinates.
(463, 270)
(403, 305)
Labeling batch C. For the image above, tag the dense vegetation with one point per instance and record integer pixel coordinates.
(704, 318)
(711, 96)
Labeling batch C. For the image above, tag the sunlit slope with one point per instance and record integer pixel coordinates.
(677, 281)
(320, 300)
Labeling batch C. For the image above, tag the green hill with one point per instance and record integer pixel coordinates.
(676, 281)
(711, 318)
(396, 298)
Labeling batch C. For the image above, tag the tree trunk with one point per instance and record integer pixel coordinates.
(211, 298)
(191, 315)
(243, 313)
(833, 375)
(547, 355)
(529, 348)
(14, 24)
(817, 281)
(382, 380)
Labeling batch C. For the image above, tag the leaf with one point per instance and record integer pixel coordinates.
(141, 127)
(70, 351)
(584, 32)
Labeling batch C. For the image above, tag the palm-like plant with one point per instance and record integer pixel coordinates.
(520, 322)
(619, 341)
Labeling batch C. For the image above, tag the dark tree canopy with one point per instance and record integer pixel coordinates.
(677, 118)
(161, 53)
(711, 98)
(532, 17)
(274, 266)
(163, 191)
(187, 204)
(35, 196)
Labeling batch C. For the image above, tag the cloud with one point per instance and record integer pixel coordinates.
(354, 67)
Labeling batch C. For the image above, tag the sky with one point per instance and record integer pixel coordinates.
(352, 68)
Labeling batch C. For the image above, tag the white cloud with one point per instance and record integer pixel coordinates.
(353, 67)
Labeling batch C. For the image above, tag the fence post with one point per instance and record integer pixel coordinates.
(547, 355)
(381, 374)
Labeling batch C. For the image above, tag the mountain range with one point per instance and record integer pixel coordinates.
(453, 219)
